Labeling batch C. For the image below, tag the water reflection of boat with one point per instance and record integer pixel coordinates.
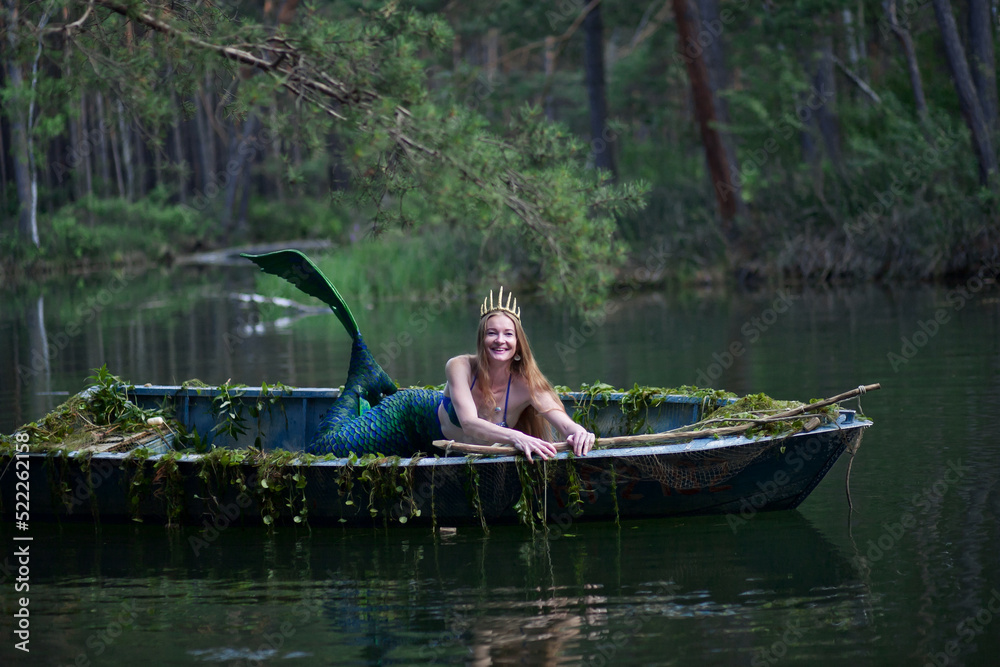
(733, 475)
(412, 596)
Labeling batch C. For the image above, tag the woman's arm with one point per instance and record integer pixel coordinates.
(579, 438)
(458, 371)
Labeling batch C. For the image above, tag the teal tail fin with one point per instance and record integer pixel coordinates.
(366, 381)
(300, 271)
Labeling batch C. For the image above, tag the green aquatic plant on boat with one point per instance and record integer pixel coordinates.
(57, 469)
(84, 419)
(472, 490)
(573, 488)
(760, 412)
(383, 483)
(219, 470)
(230, 417)
(635, 403)
(168, 478)
(278, 471)
(534, 479)
(389, 486)
(138, 484)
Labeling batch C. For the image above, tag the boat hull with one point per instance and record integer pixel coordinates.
(735, 476)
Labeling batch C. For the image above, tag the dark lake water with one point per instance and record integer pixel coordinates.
(911, 577)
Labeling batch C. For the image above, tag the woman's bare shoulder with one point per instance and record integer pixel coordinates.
(458, 369)
(459, 362)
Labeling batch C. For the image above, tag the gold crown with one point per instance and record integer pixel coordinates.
(487, 309)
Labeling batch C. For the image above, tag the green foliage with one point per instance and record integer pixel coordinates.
(392, 267)
(435, 148)
(754, 408)
(471, 483)
(298, 218)
(634, 403)
(113, 229)
(103, 408)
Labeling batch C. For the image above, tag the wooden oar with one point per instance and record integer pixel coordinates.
(682, 433)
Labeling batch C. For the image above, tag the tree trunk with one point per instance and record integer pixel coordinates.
(550, 70)
(116, 159)
(602, 140)
(102, 128)
(242, 149)
(20, 128)
(3, 156)
(180, 159)
(910, 54)
(492, 53)
(19, 156)
(981, 60)
(128, 162)
(854, 29)
(275, 145)
(826, 117)
(69, 162)
(86, 147)
(241, 216)
(690, 51)
(718, 80)
(968, 100)
(202, 145)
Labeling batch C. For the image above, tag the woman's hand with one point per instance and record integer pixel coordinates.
(581, 441)
(528, 445)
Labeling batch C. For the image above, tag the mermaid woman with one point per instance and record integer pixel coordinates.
(371, 416)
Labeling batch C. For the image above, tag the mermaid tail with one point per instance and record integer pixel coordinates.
(398, 426)
(365, 378)
(366, 383)
(347, 427)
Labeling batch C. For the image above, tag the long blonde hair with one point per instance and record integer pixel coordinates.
(530, 421)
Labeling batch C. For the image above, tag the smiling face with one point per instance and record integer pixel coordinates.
(500, 338)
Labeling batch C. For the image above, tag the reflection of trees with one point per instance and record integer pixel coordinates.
(38, 360)
(954, 574)
(547, 639)
(408, 596)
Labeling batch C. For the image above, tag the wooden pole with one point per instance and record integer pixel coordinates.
(682, 433)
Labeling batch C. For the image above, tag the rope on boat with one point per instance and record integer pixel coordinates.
(850, 464)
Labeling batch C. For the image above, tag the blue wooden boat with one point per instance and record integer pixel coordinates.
(236, 483)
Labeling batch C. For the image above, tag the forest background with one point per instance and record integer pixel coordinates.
(558, 146)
